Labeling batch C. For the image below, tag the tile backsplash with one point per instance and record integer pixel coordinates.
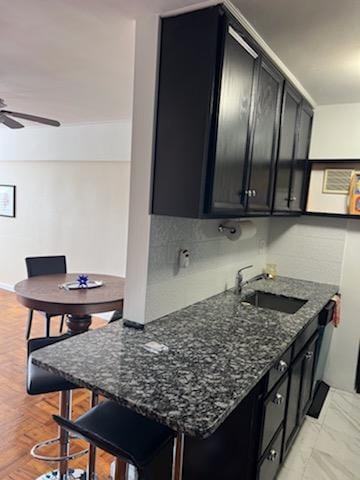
(214, 261)
(308, 248)
(301, 247)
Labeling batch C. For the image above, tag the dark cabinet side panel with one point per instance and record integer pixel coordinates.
(188, 65)
(265, 140)
(232, 141)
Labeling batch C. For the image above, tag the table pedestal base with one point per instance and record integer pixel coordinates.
(72, 474)
(78, 323)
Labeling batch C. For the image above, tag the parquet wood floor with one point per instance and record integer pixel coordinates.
(24, 419)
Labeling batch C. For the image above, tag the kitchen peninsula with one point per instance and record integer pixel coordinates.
(220, 383)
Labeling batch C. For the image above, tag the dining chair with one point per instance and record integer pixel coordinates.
(44, 266)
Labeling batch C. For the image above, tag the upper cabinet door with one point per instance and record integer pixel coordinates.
(301, 155)
(233, 126)
(265, 139)
(288, 134)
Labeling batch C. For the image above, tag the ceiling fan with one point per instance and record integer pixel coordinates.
(5, 118)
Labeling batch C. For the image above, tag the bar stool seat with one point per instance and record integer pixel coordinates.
(123, 433)
(40, 381)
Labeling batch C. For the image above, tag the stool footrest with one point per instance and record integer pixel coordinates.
(47, 458)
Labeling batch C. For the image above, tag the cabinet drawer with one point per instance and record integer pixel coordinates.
(270, 465)
(279, 369)
(306, 335)
(274, 412)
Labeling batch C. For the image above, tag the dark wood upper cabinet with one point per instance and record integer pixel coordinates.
(265, 139)
(218, 117)
(301, 156)
(288, 130)
(295, 132)
(239, 69)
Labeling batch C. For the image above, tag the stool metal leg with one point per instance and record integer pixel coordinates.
(178, 457)
(65, 411)
(91, 475)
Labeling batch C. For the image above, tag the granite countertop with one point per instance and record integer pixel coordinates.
(219, 349)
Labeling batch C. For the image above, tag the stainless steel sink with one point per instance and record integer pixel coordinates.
(274, 302)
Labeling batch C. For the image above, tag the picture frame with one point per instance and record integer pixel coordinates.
(7, 200)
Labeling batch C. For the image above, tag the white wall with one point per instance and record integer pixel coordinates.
(75, 208)
(146, 53)
(88, 142)
(325, 249)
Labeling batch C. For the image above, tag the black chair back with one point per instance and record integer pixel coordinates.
(45, 265)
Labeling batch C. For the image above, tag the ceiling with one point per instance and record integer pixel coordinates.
(68, 59)
(318, 40)
(73, 59)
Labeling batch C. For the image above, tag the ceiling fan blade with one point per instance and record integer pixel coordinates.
(9, 122)
(34, 118)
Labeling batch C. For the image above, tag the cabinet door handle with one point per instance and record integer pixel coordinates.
(309, 355)
(278, 399)
(254, 193)
(272, 455)
(282, 366)
(250, 193)
(292, 199)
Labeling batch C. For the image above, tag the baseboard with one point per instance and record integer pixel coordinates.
(7, 286)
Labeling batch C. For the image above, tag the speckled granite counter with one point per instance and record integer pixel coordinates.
(219, 349)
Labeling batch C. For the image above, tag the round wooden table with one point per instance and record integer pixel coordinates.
(44, 293)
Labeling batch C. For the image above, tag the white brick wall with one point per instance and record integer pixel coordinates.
(214, 262)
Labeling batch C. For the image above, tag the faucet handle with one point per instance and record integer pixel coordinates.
(244, 268)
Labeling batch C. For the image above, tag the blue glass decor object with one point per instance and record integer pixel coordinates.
(83, 280)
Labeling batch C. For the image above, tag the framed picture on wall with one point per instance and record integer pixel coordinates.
(7, 200)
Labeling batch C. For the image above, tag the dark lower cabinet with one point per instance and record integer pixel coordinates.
(254, 440)
(309, 359)
(293, 403)
(270, 464)
(300, 390)
(274, 412)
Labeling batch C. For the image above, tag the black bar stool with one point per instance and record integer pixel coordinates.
(40, 381)
(44, 266)
(130, 437)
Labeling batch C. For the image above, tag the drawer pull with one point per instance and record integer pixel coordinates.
(278, 399)
(272, 455)
(309, 355)
(282, 366)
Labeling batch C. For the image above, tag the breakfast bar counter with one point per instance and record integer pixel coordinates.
(218, 350)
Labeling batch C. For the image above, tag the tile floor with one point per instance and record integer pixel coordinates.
(328, 448)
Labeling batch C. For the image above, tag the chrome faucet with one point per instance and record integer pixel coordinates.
(240, 280)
